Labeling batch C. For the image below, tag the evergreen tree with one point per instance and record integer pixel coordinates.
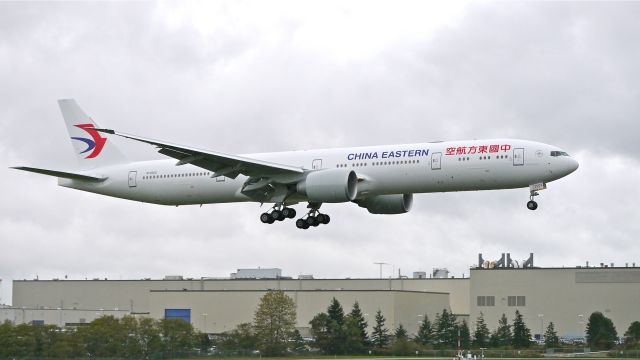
(465, 335)
(551, 339)
(632, 335)
(356, 318)
(401, 344)
(425, 332)
(337, 343)
(274, 322)
(297, 341)
(353, 342)
(502, 335)
(521, 334)
(446, 331)
(601, 333)
(481, 335)
(401, 333)
(335, 312)
(380, 335)
(321, 332)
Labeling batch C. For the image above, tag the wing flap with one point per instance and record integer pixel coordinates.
(61, 174)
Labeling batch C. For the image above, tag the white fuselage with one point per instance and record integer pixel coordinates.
(393, 169)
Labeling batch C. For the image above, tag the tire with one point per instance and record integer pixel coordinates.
(289, 212)
(321, 218)
(265, 218)
(301, 224)
(312, 221)
(277, 215)
(532, 205)
(327, 219)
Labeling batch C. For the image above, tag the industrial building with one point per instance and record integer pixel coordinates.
(566, 296)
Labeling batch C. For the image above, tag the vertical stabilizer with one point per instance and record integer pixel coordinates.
(91, 148)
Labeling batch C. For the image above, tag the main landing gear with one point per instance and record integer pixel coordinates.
(531, 204)
(313, 218)
(277, 213)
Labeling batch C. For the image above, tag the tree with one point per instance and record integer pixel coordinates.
(425, 332)
(401, 345)
(149, 337)
(354, 342)
(401, 333)
(446, 331)
(551, 339)
(297, 341)
(601, 333)
(103, 337)
(521, 333)
(243, 337)
(337, 342)
(632, 335)
(502, 335)
(177, 336)
(335, 312)
(274, 322)
(357, 319)
(320, 331)
(481, 335)
(380, 334)
(465, 335)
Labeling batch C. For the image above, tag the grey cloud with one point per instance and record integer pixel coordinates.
(563, 73)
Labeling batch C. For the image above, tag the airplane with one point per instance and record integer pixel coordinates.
(381, 179)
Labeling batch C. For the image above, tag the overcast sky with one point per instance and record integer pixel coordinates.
(244, 77)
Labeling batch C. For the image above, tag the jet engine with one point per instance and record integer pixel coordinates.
(329, 185)
(387, 204)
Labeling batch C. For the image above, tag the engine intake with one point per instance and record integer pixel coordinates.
(329, 185)
(388, 204)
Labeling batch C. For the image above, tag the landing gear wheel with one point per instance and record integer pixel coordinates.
(277, 215)
(266, 218)
(532, 205)
(301, 224)
(323, 218)
(289, 213)
(312, 221)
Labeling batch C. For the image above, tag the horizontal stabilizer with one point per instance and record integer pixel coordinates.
(61, 174)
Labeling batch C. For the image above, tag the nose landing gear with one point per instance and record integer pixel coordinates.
(533, 191)
(531, 204)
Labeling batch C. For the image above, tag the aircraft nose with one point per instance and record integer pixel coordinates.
(573, 165)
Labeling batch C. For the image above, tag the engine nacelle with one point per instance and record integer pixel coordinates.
(329, 185)
(387, 204)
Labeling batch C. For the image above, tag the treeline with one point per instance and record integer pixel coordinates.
(105, 337)
(272, 333)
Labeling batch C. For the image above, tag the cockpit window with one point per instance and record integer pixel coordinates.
(559, 153)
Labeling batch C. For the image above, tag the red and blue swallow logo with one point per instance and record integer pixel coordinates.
(96, 143)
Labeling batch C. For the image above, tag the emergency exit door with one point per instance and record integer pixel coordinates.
(317, 164)
(436, 160)
(518, 157)
(132, 178)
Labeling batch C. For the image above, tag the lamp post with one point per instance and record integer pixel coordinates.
(380, 264)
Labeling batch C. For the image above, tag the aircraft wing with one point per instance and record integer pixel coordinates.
(220, 164)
